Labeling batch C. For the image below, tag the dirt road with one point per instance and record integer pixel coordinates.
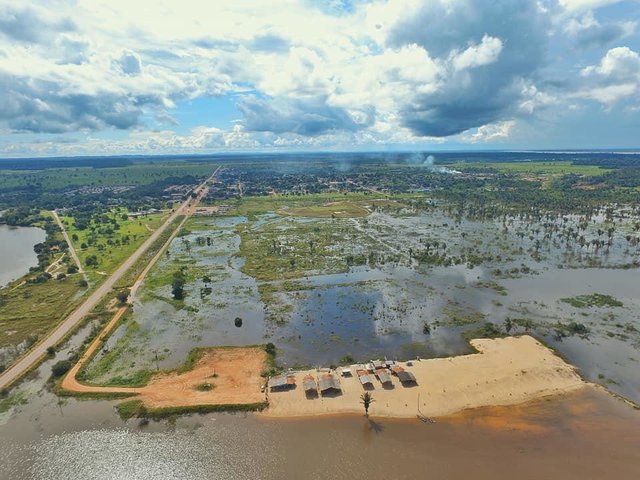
(72, 251)
(33, 356)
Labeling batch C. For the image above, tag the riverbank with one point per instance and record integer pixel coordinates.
(506, 371)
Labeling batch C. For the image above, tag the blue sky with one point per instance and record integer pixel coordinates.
(115, 76)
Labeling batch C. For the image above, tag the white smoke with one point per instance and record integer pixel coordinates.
(429, 161)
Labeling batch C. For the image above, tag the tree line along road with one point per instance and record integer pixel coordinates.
(37, 352)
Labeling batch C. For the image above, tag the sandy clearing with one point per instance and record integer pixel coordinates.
(233, 371)
(507, 371)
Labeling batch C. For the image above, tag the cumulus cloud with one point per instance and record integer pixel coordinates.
(24, 24)
(304, 74)
(615, 77)
(504, 41)
(302, 117)
(588, 32)
(490, 133)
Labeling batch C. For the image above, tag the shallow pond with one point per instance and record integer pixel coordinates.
(16, 251)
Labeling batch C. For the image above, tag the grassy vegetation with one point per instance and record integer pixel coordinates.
(338, 209)
(29, 311)
(18, 398)
(135, 408)
(105, 361)
(290, 248)
(593, 300)
(136, 269)
(256, 205)
(547, 168)
(486, 330)
(111, 241)
(192, 358)
(205, 387)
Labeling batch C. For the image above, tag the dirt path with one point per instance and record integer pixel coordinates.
(72, 250)
(33, 356)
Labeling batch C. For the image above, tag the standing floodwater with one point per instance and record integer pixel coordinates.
(16, 251)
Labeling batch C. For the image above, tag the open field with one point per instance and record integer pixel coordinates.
(31, 310)
(111, 241)
(336, 209)
(536, 167)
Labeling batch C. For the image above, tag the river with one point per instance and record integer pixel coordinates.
(585, 435)
(16, 251)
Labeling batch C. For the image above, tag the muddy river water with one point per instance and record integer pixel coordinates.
(585, 435)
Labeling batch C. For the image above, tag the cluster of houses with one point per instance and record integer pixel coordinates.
(326, 382)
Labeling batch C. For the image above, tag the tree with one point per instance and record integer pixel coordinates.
(270, 348)
(60, 368)
(366, 399)
(122, 296)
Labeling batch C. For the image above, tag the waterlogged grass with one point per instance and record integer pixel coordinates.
(135, 408)
(252, 206)
(338, 209)
(10, 401)
(290, 248)
(104, 362)
(593, 300)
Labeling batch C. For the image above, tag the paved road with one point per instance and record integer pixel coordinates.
(72, 250)
(34, 355)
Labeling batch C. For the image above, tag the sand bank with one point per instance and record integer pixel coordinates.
(507, 371)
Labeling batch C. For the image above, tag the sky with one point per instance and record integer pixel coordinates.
(106, 77)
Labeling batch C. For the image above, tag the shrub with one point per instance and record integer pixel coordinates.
(122, 296)
(60, 368)
(270, 348)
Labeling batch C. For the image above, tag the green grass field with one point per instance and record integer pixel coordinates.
(32, 309)
(547, 168)
(111, 246)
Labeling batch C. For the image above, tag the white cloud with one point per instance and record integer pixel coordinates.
(616, 77)
(490, 133)
(577, 5)
(485, 53)
(401, 71)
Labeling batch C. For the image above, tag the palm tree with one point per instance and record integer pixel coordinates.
(366, 399)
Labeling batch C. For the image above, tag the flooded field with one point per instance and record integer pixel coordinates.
(16, 251)
(401, 282)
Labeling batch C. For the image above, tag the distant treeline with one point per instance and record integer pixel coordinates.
(67, 162)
